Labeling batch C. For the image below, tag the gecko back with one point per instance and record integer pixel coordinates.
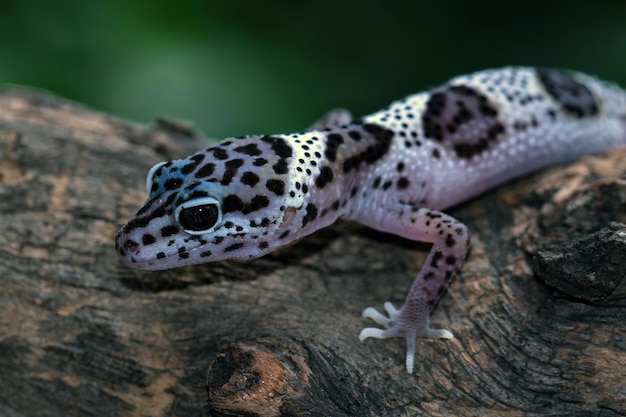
(476, 131)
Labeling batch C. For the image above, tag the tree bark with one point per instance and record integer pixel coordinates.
(538, 310)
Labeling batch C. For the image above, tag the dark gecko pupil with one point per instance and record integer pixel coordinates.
(198, 218)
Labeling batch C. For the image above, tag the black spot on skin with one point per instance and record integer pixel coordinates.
(573, 96)
(157, 173)
(450, 241)
(436, 257)
(463, 119)
(182, 253)
(258, 202)
(232, 203)
(173, 183)
(305, 188)
(220, 153)
(281, 167)
(146, 207)
(233, 247)
(206, 170)
(160, 211)
(376, 182)
(197, 194)
(251, 149)
(400, 167)
(284, 234)
(551, 114)
(402, 183)
(386, 185)
(250, 178)
(335, 205)
(160, 255)
(169, 230)
(259, 162)
(188, 168)
(279, 146)
(148, 239)
(450, 260)
(353, 191)
(382, 141)
(325, 177)
(427, 291)
(520, 125)
(354, 135)
(194, 194)
(436, 153)
(428, 276)
(232, 167)
(263, 245)
(311, 214)
(333, 141)
(205, 254)
(276, 186)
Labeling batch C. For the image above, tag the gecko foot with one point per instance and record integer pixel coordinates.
(400, 323)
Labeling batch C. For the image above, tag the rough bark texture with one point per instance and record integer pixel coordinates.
(538, 309)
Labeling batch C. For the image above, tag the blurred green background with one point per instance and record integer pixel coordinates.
(243, 67)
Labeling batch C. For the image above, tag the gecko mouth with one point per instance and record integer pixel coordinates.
(136, 261)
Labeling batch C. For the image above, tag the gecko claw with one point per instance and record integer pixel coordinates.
(399, 325)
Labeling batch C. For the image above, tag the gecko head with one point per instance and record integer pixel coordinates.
(230, 201)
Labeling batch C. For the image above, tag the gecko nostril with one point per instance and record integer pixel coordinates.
(131, 246)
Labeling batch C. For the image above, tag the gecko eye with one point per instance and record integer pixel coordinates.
(199, 216)
(151, 174)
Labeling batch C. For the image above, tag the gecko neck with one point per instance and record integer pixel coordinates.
(327, 176)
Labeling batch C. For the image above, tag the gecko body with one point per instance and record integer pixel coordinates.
(394, 171)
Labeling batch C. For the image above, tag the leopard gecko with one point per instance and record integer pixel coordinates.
(393, 171)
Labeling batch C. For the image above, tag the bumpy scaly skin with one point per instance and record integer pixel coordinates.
(392, 171)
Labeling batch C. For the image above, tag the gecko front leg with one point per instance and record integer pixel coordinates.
(450, 240)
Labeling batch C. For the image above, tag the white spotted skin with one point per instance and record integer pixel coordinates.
(393, 171)
(454, 180)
